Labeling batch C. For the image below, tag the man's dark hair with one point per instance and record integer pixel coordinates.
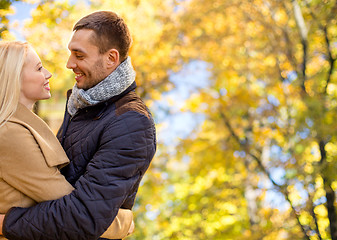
(110, 32)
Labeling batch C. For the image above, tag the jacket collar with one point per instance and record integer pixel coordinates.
(92, 112)
(95, 111)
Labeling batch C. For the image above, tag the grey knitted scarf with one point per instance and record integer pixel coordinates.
(114, 84)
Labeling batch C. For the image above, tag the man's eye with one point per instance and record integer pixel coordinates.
(79, 56)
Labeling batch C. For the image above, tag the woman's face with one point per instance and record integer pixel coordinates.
(34, 80)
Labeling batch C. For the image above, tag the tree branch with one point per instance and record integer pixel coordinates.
(331, 59)
(313, 214)
(281, 188)
(304, 39)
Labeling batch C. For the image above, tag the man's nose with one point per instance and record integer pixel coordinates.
(71, 64)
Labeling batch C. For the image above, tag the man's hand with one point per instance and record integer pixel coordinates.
(2, 216)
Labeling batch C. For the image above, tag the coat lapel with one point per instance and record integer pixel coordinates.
(48, 143)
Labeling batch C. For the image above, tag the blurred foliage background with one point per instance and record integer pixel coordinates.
(244, 94)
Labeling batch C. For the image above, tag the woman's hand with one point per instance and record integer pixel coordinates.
(132, 228)
(2, 216)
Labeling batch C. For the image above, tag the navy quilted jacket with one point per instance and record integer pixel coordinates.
(110, 146)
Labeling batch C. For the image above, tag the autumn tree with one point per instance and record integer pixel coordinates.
(261, 162)
(5, 10)
(269, 115)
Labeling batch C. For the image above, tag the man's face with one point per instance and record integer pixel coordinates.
(85, 60)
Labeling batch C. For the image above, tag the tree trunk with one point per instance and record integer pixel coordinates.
(329, 193)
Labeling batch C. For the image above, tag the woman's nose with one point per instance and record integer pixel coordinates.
(47, 74)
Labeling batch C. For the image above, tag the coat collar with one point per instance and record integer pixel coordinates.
(48, 143)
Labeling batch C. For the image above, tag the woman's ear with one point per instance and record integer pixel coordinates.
(112, 59)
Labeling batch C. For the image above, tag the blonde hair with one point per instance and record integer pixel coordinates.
(12, 58)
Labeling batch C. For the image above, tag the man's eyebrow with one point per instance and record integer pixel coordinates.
(77, 50)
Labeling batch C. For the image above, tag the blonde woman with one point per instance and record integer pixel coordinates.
(30, 155)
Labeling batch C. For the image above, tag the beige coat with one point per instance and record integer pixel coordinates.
(30, 158)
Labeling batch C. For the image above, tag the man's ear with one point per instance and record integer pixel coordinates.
(112, 59)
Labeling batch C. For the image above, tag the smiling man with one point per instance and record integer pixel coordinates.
(87, 62)
(108, 135)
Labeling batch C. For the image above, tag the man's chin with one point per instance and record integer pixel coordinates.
(81, 86)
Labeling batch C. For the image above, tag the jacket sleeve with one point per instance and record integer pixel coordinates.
(24, 167)
(111, 176)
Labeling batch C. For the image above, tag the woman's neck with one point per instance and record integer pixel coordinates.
(27, 104)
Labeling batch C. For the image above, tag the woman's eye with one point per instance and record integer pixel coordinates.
(40, 68)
